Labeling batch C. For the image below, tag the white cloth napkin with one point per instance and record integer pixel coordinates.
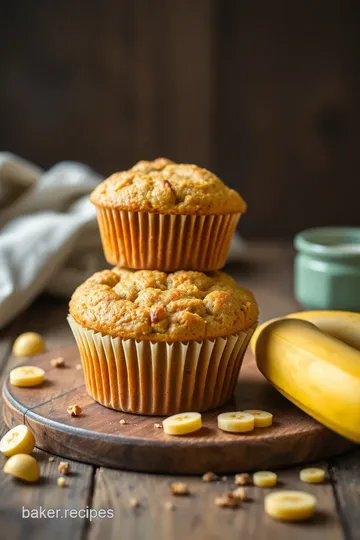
(49, 239)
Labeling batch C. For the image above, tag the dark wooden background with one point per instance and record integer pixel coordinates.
(264, 93)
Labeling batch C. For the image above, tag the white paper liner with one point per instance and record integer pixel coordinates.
(166, 242)
(160, 378)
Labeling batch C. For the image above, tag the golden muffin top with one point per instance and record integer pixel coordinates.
(153, 305)
(167, 187)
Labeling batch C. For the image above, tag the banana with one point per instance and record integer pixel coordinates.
(314, 370)
(343, 325)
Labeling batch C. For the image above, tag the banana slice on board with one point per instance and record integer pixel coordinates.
(27, 376)
(262, 418)
(182, 423)
(236, 422)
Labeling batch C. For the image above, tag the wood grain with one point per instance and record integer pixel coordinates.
(16, 494)
(97, 436)
(345, 473)
(197, 516)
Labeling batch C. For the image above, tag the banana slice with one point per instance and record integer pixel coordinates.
(182, 423)
(265, 479)
(19, 440)
(236, 422)
(312, 475)
(290, 505)
(27, 376)
(28, 344)
(24, 467)
(262, 418)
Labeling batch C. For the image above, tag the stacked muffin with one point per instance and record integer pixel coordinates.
(156, 334)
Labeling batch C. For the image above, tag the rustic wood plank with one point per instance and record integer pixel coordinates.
(46, 316)
(345, 473)
(139, 73)
(197, 516)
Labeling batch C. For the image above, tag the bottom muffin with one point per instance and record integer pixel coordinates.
(156, 344)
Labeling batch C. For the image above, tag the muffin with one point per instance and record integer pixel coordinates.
(156, 344)
(166, 216)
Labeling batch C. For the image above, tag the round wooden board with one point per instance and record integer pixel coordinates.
(97, 437)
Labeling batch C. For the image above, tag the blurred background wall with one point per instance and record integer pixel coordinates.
(265, 93)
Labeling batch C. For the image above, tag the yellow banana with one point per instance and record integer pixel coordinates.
(314, 370)
(343, 325)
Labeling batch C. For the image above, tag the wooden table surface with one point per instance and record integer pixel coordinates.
(267, 270)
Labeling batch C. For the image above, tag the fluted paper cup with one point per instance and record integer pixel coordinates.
(160, 378)
(166, 242)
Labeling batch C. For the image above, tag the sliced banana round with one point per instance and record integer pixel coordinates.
(312, 475)
(19, 440)
(28, 344)
(290, 505)
(264, 479)
(262, 418)
(182, 423)
(27, 376)
(23, 466)
(236, 422)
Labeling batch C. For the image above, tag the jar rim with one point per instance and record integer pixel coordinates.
(329, 242)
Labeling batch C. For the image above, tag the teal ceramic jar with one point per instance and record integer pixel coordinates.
(327, 268)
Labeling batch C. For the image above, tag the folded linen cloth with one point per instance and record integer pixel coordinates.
(49, 239)
(48, 233)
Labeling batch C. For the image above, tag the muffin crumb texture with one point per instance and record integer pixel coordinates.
(153, 305)
(169, 188)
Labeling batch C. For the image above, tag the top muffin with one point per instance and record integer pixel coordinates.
(162, 186)
(153, 305)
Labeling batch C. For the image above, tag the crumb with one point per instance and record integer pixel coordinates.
(179, 488)
(74, 410)
(61, 482)
(64, 467)
(158, 426)
(134, 503)
(227, 500)
(209, 477)
(58, 362)
(169, 505)
(240, 494)
(51, 459)
(78, 367)
(123, 422)
(242, 479)
(224, 478)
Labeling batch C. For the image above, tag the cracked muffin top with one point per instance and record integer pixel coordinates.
(153, 305)
(166, 187)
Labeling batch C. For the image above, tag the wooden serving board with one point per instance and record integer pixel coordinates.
(97, 437)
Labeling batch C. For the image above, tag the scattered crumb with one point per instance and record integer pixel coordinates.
(227, 500)
(242, 479)
(74, 410)
(134, 503)
(224, 478)
(58, 362)
(209, 477)
(51, 459)
(179, 488)
(240, 494)
(78, 367)
(169, 505)
(158, 426)
(123, 422)
(61, 482)
(64, 467)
